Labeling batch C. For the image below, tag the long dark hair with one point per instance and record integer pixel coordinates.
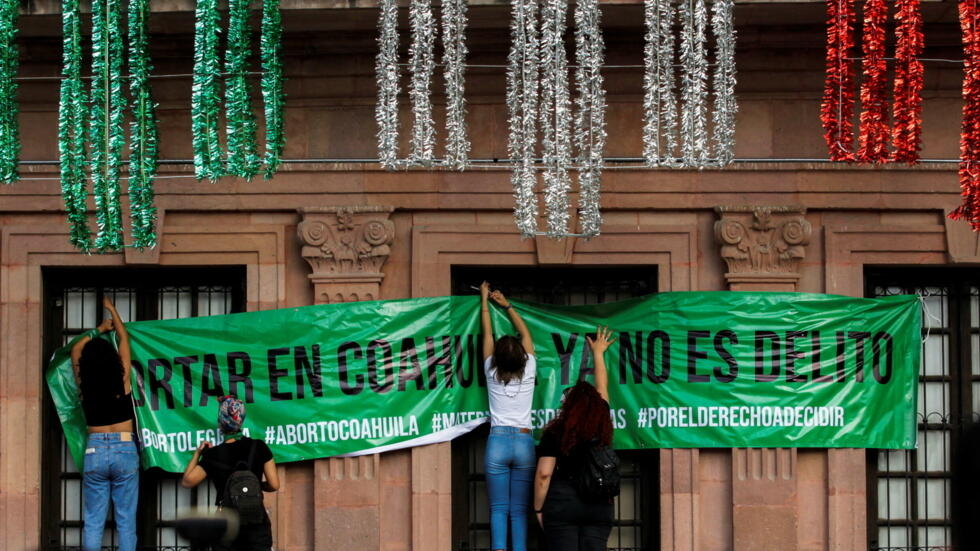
(583, 417)
(509, 357)
(101, 371)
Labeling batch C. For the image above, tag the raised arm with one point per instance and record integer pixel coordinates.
(123, 335)
(194, 473)
(603, 339)
(515, 318)
(485, 324)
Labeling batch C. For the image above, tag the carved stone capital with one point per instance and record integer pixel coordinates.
(346, 247)
(762, 244)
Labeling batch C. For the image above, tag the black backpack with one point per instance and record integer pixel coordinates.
(598, 479)
(243, 492)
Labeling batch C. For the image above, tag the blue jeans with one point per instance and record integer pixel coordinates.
(510, 471)
(112, 468)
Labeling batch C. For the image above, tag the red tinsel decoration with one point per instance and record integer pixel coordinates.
(907, 110)
(970, 135)
(837, 109)
(874, 107)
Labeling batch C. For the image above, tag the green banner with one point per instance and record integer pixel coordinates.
(698, 369)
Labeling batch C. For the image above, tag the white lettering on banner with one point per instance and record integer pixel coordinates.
(739, 416)
(368, 428)
(183, 441)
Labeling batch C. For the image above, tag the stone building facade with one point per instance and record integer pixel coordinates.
(333, 227)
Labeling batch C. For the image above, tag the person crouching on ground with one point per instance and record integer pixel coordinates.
(223, 463)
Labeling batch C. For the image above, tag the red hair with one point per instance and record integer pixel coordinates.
(583, 417)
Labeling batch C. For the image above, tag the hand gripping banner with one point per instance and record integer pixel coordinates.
(689, 370)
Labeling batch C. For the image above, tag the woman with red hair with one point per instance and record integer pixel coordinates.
(572, 522)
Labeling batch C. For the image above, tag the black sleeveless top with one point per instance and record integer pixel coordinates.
(108, 412)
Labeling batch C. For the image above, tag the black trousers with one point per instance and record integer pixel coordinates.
(251, 537)
(571, 524)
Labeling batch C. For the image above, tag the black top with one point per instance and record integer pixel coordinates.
(108, 412)
(222, 460)
(566, 465)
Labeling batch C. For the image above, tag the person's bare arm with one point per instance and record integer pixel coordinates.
(485, 323)
(516, 319)
(542, 481)
(123, 338)
(602, 341)
(194, 474)
(271, 482)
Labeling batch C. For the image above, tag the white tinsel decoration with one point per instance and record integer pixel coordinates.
(386, 67)
(723, 116)
(694, 120)
(421, 62)
(556, 116)
(522, 108)
(659, 103)
(454, 58)
(590, 117)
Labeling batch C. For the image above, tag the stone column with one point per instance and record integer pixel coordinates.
(346, 247)
(763, 248)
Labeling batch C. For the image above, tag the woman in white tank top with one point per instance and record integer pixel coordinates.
(510, 368)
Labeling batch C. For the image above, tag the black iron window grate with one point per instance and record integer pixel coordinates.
(909, 490)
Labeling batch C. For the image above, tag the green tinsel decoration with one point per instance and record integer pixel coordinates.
(9, 138)
(272, 80)
(205, 98)
(243, 158)
(71, 128)
(106, 132)
(143, 130)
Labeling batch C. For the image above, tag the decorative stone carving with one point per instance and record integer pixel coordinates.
(346, 247)
(762, 243)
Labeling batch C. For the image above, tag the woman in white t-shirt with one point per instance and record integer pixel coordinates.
(510, 368)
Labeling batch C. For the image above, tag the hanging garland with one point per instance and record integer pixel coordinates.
(421, 62)
(590, 116)
(556, 116)
(907, 112)
(676, 130)
(837, 109)
(72, 129)
(694, 148)
(386, 71)
(874, 126)
(205, 96)
(522, 109)
(274, 99)
(240, 129)
(106, 132)
(969, 170)
(726, 107)
(453, 59)
(143, 141)
(659, 103)
(9, 135)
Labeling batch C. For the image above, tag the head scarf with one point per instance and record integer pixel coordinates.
(231, 415)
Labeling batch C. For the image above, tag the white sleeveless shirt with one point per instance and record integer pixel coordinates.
(510, 404)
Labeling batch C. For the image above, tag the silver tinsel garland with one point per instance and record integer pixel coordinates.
(386, 66)
(661, 133)
(522, 107)
(723, 116)
(590, 117)
(454, 59)
(659, 102)
(694, 84)
(421, 63)
(556, 116)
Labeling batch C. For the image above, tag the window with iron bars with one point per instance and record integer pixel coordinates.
(909, 490)
(637, 515)
(73, 304)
